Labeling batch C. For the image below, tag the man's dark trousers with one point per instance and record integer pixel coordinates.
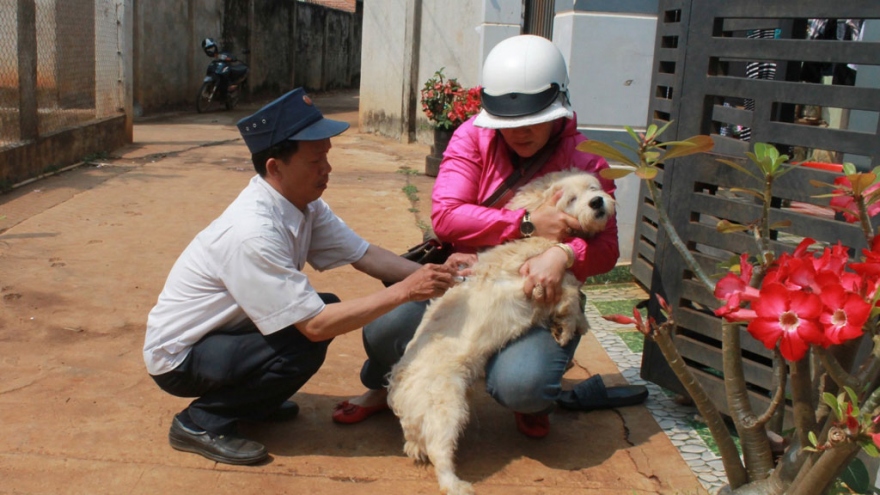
(243, 375)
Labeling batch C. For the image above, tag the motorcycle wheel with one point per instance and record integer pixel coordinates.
(232, 97)
(205, 98)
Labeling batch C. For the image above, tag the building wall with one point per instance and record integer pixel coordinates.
(609, 48)
(289, 44)
(383, 68)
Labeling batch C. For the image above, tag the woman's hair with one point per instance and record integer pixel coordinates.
(281, 151)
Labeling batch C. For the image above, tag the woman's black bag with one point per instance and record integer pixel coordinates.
(429, 251)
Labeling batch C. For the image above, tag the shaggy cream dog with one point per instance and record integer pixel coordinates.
(473, 320)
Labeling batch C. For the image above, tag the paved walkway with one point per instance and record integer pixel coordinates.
(680, 423)
(83, 256)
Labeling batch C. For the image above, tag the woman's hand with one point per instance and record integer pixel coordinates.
(551, 223)
(543, 275)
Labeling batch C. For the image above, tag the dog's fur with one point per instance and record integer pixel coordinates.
(473, 320)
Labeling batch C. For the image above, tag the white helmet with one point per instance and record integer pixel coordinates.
(525, 82)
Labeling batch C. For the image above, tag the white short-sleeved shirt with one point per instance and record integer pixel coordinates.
(247, 265)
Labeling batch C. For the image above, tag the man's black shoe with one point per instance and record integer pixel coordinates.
(288, 410)
(229, 449)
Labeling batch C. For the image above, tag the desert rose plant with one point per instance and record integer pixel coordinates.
(808, 306)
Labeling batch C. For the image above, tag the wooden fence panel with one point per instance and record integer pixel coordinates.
(708, 79)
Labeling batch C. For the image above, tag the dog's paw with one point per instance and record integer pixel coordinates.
(457, 487)
(415, 452)
(562, 330)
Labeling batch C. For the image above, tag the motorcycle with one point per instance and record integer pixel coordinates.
(223, 80)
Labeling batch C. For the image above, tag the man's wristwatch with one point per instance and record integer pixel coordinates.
(526, 227)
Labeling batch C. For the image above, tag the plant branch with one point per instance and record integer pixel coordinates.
(804, 413)
(865, 219)
(764, 241)
(835, 370)
(733, 467)
(824, 471)
(676, 241)
(779, 370)
(752, 436)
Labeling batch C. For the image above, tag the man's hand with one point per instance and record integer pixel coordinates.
(551, 223)
(428, 282)
(462, 263)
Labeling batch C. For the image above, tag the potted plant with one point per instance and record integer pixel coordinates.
(447, 104)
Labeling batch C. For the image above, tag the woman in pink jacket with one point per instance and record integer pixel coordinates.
(526, 118)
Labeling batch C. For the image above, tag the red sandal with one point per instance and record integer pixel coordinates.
(533, 425)
(347, 413)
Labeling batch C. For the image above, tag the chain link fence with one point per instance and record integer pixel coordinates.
(60, 66)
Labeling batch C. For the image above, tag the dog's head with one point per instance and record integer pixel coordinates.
(584, 199)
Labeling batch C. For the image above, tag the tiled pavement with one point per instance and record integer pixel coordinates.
(676, 420)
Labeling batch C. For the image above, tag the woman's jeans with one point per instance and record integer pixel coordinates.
(243, 374)
(525, 376)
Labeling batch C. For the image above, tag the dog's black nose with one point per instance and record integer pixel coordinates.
(597, 203)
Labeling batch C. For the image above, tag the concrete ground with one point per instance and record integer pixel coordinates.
(83, 257)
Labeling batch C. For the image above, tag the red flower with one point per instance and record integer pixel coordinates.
(787, 318)
(733, 312)
(846, 204)
(876, 438)
(636, 320)
(446, 103)
(852, 423)
(844, 315)
(733, 283)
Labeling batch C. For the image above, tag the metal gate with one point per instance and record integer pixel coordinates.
(803, 76)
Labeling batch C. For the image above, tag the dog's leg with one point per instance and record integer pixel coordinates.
(442, 425)
(567, 319)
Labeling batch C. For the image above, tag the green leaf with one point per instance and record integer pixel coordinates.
(646, 173)
(849, 169)
(813, 440)
(831, 400)
(695, 144)
(650, 132)
(870, 449)
(614, 173)
(854, 400)
(751, 192)
(760, 149)
(663, 129)
(819, 183)
(606, 151)
(651, 156)
(726, 227)
(632, 133)
(738, 167)
(626, 146)
(856, 476)
(784, 171)
(780, 224)
(862, 181)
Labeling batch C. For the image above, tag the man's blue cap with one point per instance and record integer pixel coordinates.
(292, 117)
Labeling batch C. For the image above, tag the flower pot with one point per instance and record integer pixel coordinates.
(432, 161)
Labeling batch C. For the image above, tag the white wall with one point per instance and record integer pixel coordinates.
(383, 74)
(610, 58)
